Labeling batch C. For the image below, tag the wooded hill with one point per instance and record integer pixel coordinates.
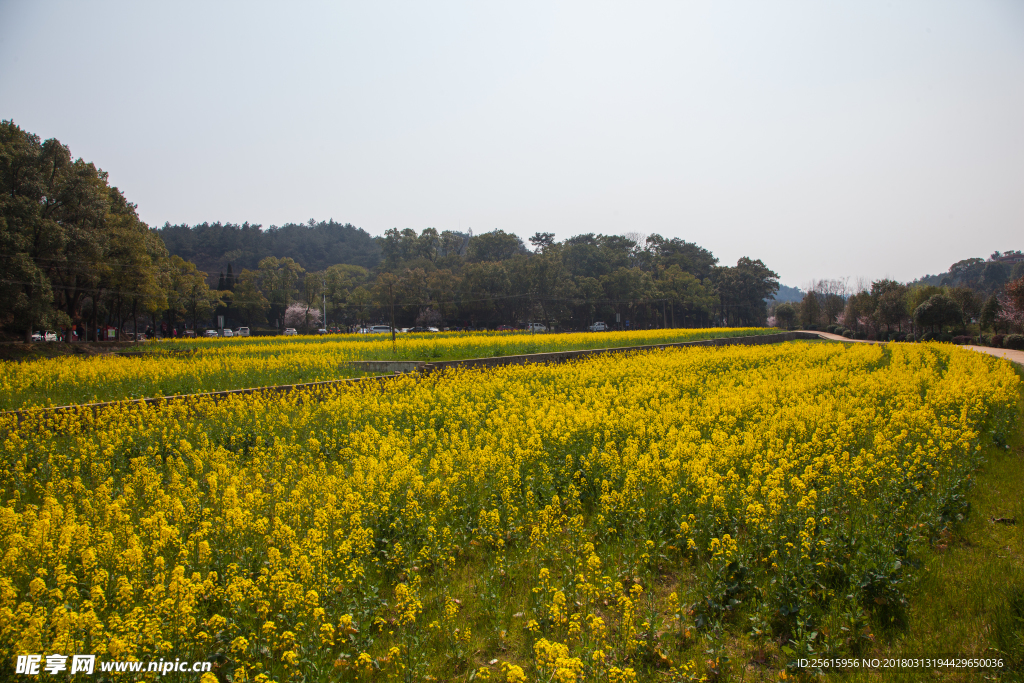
(313, 245)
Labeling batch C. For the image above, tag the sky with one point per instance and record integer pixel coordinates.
(859, 139)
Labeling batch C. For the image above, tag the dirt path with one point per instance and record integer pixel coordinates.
(1009, 354)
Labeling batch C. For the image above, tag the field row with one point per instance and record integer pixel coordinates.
(194, 366)
(607, 519)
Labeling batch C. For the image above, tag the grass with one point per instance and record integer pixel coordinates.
(968, 600)
(970, 597)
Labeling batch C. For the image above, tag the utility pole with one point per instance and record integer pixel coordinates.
(324, 292)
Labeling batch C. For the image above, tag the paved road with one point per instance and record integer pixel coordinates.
(1008, 354)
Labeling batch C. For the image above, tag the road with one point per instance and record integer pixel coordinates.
(1009, 354)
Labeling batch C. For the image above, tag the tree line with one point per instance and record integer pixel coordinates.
(886, 309)
(432, 278)
(76, 254)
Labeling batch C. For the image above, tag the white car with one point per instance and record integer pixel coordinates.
(536, 327)
(290, 332)
(210, 333)
(227, 332)
(598, 327)
(242, 332)
(380, 329)
(37, 336)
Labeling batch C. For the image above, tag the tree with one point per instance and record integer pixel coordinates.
(50, 208)
(989, 312)
(542, 241)
(442, 286)
(485, 294)
(627, 288)
(278, 280)
(939, 310)
(496, 245)
(341, 280)
(684, 290)
(744, 289)
(191, 295)
(890, 303)
(859, 312)
(967, 300)
(1011, 304)
(313, 294)
(810, 310)
(589, 292)
(993, 276)
(361, 298)
(786, 315)
(137, 258)
(301, 315)
(249, 301)
(690, 257)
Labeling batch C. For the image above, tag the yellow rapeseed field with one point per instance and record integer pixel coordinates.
(598, 520)
(198, 365)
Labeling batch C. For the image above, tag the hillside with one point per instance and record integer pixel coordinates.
(315, 246)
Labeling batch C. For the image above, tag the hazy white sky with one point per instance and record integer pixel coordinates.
(828, 139)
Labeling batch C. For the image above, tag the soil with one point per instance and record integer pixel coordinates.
(20, 351)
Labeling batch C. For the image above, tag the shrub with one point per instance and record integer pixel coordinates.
(860, 335)
(899, 336)
(831, 329)
(997, 341)
(847, 333)
(812, 328)
(1014, 341)
(910, 337)
(963, 339)
(928, 336)
(945, 337)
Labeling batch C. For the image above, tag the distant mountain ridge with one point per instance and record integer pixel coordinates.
(787, 294)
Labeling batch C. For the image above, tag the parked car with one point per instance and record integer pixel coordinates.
(37, 336)
(506, 328)
(188, 333)
(598, 327)
(422, 329)
(227, 332)
(322, 331)
(210, 333)
(379, 329)
(242, 332)
(290, 332)
(536, 327)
